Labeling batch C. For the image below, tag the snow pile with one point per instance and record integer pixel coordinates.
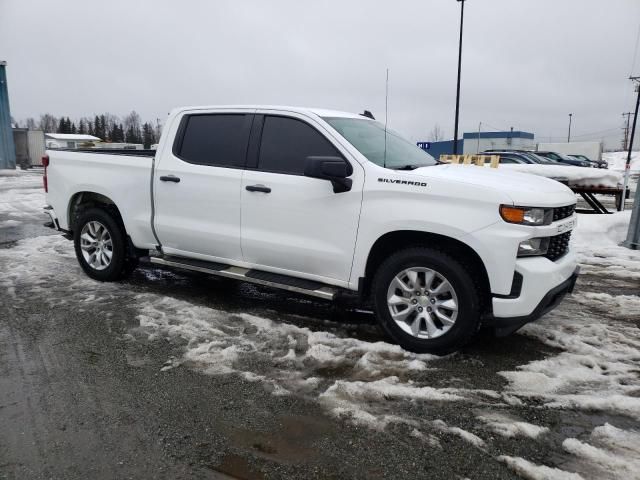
(47, 266)
(575, 176)
(596, 242)
(9, 173)
(597, 369)
(510, 427)
(349, 376)
(609, 453)
(531, 471)
(469, 437)
(617, 161)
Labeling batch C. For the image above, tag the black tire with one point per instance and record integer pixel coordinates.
(120, 266)
(468, 320)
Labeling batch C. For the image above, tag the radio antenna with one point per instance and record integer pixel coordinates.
(386, 119)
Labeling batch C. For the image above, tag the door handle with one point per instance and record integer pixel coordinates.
(258, 188)
(170, 178)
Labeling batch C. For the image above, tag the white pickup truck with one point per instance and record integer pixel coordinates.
(329, 204)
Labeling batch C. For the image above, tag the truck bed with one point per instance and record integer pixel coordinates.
(122, 176)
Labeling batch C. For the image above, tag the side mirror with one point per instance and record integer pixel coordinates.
(334, 169)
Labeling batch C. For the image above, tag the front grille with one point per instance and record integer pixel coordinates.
(558, 246)
(563, 212)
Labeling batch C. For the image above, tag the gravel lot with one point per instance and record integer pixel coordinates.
(179, 375)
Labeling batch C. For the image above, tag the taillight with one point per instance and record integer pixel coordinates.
(45, 164)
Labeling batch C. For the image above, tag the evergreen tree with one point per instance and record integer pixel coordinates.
(148, 137)
(116, 136)
(61, 126)
(82, 127)
(103, 127)
(96, 128)
(72, 129)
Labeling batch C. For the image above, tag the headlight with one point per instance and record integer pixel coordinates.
(526, 215)
(533, 246)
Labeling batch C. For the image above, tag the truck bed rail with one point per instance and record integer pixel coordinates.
(111, 151)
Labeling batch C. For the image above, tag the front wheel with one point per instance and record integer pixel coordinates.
(99, 242)
(426, 301)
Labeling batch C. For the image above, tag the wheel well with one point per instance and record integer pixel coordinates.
(83, 200)
(394, 241)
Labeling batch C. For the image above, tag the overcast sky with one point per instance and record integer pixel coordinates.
(526, 63)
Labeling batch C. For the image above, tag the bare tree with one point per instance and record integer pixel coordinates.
(158, 130)
(133, 127)
(48, 123)
(435, 135)
(31, 123)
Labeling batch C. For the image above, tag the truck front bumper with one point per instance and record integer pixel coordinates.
(544, 285)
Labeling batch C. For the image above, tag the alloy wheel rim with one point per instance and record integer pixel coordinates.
(422, 302)
(96, 245)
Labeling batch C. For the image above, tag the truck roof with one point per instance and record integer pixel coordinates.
(321, 112)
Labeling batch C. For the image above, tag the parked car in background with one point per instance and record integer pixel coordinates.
(522, 156)
(594, 163)
(509, 157)
(591, 150)
(561, 158)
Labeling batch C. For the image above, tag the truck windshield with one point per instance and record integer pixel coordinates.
(368, 137)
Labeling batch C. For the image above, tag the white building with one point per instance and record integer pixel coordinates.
(476, 142)
(69, 140)
(121, 146)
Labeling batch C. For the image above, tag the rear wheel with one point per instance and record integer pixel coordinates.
(426, 301)
(100, 247)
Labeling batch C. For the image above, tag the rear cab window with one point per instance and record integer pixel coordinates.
(215, 139)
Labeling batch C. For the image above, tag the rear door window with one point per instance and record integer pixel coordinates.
(215, 139)
(286, 143)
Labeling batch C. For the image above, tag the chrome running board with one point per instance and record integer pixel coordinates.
(283, 282)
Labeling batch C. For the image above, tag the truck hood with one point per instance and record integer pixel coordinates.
(522, 188)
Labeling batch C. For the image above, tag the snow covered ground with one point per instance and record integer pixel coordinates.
(579, 399)
(617, 161)
(19, 200)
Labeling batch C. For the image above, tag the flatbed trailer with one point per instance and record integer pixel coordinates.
(589, 195)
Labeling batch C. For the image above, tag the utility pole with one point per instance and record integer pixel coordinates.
(478, 144)
(633, 235)
(455, 128)
(625, 129)
(569, 134)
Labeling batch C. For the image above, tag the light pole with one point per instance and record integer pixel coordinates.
(569, 134)
(633, 234)
(455, 128)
